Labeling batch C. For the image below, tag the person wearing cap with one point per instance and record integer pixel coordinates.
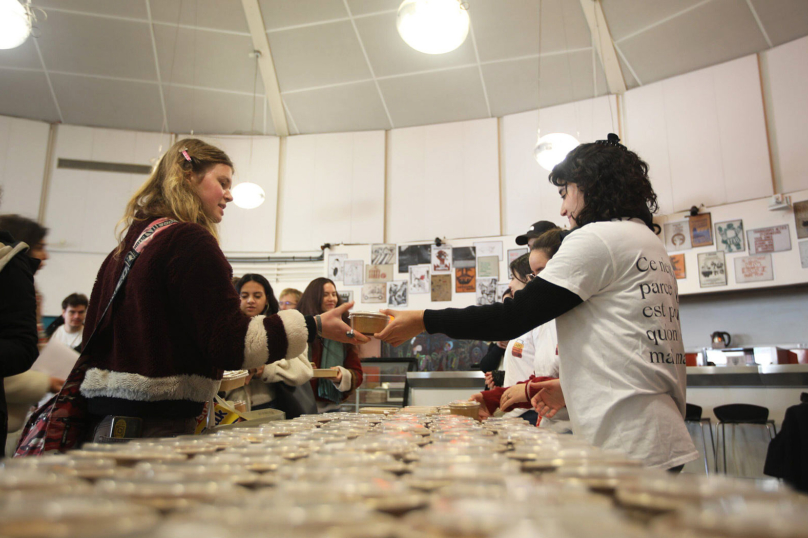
(533, 233)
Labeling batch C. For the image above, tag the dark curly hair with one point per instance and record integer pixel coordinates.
(613, 180)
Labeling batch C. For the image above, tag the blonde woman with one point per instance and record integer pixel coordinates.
(159, 352)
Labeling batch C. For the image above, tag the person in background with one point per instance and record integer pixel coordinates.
(534, 232)
(69, 332)
(257, 298)
(491, 362)
(320, 297)
(289, 298)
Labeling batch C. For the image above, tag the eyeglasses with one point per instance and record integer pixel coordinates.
(531, 276)
(287, 303)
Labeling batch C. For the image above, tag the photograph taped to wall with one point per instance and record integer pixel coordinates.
(488, 267)
(757, 268)
(701, 230)
(346, 296)
(486, 291)
(729, 236)
(712, 269)
(335, 266)
(678, 263)
(441, 288)
(489, 248)
(464, 257)
(801, 218)
(382, 254)
(413, 255)
(352, 272)
(379, 273)
(804, 254)
(513, 254)
(677, 235)
(397, 293)
(419, 279)
(501, 289)
(771, 239)
(441, 259)
(465, 279)
(374, 293)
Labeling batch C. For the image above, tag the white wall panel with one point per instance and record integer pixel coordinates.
(443, 181)
(23, 152)
(333, 190)
(785, 74)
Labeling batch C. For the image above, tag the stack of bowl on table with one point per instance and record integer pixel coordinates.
(407, 474)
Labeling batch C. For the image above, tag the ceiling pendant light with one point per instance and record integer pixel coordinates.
(248, 195)
(15, 23)
(433, 26)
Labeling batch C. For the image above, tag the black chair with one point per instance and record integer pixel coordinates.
(693, 414)
(741, 414)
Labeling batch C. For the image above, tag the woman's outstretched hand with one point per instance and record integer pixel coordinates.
(406, 324)
(336, 329)
(550, 399)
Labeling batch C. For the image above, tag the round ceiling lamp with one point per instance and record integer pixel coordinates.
(248, 195)
(551, 149)
(433, 26)
(15, 24)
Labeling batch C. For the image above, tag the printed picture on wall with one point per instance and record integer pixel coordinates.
(441, 288)
(464, 257)
(335, 269)
(677, 235)
(353, 272)
(374, 293)
(397, 294)
(729, 236)
(441, 259)
(486, 291)
(413, 255)
(678, 263)
(346, 296)
(466, 279)
(488, 267)
(419, 279)
(772, 239)
(379, 273)
(712, 269)
(701, 230)
(489, 248)
(512, 255)
(801, 218)
(382, 254)
(501, 289)
(756, 268)
(804, 254)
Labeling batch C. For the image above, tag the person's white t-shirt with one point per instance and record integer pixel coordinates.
(518, 360)
(622, 365)
(69, 339)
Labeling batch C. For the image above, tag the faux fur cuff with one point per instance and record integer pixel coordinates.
(345, 384)
(256, 350)
(293, 372)
(297, 334)
(106, 383)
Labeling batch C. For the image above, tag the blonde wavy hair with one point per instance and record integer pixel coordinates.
(170, 190)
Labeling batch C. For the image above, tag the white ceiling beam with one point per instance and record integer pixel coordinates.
(255, 21)
(604, 45)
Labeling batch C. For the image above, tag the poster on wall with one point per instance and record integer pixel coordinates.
(419, 279)
(379, 273)
(441, 288)
(712, 269)
(701, 230)
(335, 263)
(397, 294)
(729, 236)
(441, 259)
(374, 293)
(772, 239)
(488, 267)
(464, 257)
(382, 254)
(804, 254)
(756, 268)
(513, 254)
(465, 279)
(346, 296)
(501, 289)
(801, 218)
(678, 263)
(677, 236)
(488, 248)
(352, 272)
(413, 255)
(486, 291)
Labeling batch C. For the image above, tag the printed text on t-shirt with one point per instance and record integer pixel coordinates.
(663, 310)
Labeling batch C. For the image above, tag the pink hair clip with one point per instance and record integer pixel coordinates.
(185, 154)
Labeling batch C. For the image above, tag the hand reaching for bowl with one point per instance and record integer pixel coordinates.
(483, 413)
(335, 329)
(406, 325)
(550, 399)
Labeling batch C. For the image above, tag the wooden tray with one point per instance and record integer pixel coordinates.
(325, 373)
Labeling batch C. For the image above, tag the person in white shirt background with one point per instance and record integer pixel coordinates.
(74, 309)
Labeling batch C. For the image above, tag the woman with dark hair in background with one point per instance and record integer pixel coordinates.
(612, 290)
(321, 296)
